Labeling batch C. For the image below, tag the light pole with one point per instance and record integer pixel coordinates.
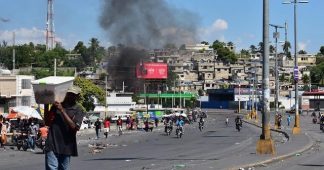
(276, 36)
(239, 98)
(265, 144)
(296, 129)
(106, 95)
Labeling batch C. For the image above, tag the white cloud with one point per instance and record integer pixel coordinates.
(26, 35)
(303, 45)
(219, 25)
(214, 31)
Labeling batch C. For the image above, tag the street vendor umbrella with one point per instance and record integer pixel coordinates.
(27, 112)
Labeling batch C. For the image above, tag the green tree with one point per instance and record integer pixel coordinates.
(282, 78)
(286, 48)
(204, 42)
(305, 79)
(322, 50)
(93, 52)
(302, 52)
(253, 49)
(223, 53)
(89, 92)
(319, 59)
(260, 47)
(172, 78)
(245, 53)
(317, 74)
(272, 49)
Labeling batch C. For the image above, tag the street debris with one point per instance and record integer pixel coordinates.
(96, 148)
(180, 166)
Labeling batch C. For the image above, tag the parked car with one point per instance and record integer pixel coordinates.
(292, 111)
(123, 116)
(85, 123)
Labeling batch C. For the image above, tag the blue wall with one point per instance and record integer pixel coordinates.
(215, 104)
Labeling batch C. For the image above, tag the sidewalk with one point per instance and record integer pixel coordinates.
(294, 146)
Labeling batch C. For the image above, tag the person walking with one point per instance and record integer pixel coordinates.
(97, 125)
(64, 120)
(3, 132)
(32, 134)
(106, 127)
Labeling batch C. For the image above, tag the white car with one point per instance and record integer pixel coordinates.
(85, 124)
(122, 116)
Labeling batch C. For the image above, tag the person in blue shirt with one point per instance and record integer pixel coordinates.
(180, 123)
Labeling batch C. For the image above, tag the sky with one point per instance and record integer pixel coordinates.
(239, 21)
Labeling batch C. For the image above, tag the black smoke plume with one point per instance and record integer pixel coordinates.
(143, 24)
(147, 23)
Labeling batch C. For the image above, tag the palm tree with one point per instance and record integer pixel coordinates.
(286, 48)
(272, 49)
(260, 48)
(93, 49)
(253, 49)
(302, 52)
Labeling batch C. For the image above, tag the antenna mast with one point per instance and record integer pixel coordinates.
(50, 26)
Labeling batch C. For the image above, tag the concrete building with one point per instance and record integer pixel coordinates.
(198, 47)
(222, 71)
(16, 90)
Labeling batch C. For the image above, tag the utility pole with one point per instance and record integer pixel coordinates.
(276, 36)
(13, 52)
(239, 98)
(265, 144)
(296, 128)
(106, 95)
(50, 26)
(55, 67)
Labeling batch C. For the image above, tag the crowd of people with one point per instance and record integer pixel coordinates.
(32, 129)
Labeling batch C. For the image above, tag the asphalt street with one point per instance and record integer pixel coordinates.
(311, 159)
(214, 148)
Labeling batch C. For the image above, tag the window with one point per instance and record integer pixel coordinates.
(25, 84)
(25, 101)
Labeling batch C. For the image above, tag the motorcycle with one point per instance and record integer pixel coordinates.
(40, 143)
(168, 130)
(179, 132)
(22, 142)
(238, 126)
(201, 125)
(314, 120)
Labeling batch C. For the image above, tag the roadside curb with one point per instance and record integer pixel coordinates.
(278, 158)
(275, 130)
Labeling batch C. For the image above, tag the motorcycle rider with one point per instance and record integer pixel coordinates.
(43, 131)
(180, 124)
(201, 121)
(167, 124)
(42, 134)
(238, 122)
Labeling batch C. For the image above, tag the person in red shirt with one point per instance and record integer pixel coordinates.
(106, 127)
(120, 126)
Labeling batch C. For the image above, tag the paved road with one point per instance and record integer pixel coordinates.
(209, 149)
(311, 159)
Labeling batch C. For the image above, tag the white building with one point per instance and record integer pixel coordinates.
(116, 104)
